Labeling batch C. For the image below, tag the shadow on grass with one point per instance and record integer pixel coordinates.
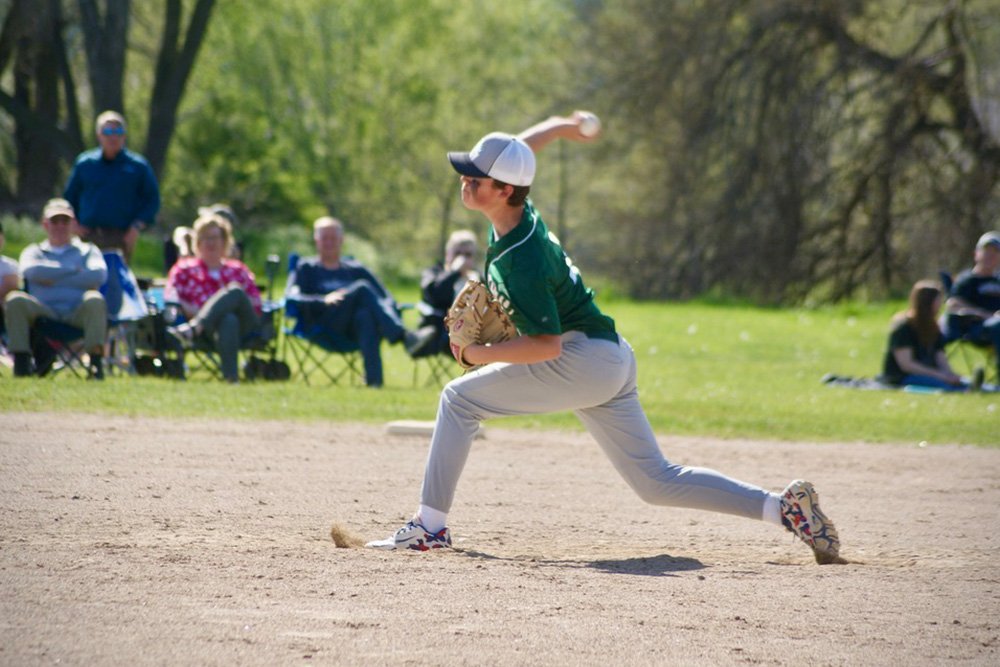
(649, 566)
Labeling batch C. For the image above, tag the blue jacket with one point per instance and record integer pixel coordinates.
(113, 193)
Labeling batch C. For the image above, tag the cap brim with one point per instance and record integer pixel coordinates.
(462, 163)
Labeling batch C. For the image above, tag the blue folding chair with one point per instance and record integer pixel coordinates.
(316, 351)
(127, 307)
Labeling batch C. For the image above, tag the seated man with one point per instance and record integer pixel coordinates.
(342, 296)
(441, 283)
(973, 310)
(62, 275)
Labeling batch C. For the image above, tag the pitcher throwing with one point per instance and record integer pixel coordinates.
(567, 356)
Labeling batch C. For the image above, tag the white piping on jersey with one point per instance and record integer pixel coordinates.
(534, 224)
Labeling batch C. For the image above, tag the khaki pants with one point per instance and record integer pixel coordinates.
(23, 310)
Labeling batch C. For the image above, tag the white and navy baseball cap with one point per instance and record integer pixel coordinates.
(500, 156)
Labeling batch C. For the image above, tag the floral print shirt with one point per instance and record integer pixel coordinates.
(190, 280)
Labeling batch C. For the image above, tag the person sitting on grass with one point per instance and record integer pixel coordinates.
(62, 276)
(218, 296)
(915, 354)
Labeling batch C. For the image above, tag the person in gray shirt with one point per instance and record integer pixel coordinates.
(62, 276)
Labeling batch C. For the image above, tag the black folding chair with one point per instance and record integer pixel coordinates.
(57, 347)
(434, 358)
(965, 351)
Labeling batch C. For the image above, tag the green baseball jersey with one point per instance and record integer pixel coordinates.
(537, 284)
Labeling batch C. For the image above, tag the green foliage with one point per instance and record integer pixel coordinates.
(348, 108)
(779, 152)
(704, 370)
(19, 232)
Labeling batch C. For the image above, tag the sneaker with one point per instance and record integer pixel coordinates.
(414, 536)
(800, 513)
(96, 367)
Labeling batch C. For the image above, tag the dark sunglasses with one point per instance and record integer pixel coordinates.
(112, 131)
(60, 220)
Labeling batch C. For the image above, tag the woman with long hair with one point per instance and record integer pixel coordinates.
(915, 354)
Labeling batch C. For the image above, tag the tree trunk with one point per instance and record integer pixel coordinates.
(173, 68)
(36, 88)
(105, 39)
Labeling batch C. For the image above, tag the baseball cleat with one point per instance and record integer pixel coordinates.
(800, 513)
(414, 536)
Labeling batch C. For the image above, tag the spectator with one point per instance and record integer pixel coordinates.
(354, 304)
(973, 310)
(236, 249)
(183, 238)
(915, 354)
(217, 295)
(441, 283)
(113, 189)
(62, 275)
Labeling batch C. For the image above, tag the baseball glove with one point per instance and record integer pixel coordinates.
(475, 318)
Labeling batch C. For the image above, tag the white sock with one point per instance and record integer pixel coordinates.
(432, 519)
(772, 509)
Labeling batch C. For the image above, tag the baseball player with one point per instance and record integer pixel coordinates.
(568, 356)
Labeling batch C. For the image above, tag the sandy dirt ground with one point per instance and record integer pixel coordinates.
(150, 542)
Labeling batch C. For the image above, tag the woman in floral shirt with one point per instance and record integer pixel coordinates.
(217, 295)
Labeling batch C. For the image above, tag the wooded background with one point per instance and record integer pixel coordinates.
(779, 151)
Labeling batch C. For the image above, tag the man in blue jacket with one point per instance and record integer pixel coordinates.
(112, 189)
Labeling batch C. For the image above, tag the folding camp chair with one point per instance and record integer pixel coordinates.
(56, 347)
(259, 353)
(316, 351)
(126, 308)
(435, 358)
(965, 352)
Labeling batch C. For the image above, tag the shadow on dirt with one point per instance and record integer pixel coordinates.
(650, 566)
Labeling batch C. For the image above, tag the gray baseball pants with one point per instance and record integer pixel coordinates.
(597, 380)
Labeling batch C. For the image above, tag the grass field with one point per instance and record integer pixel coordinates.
(715, 370)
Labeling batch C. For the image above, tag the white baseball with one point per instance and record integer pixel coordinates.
(590, 125)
